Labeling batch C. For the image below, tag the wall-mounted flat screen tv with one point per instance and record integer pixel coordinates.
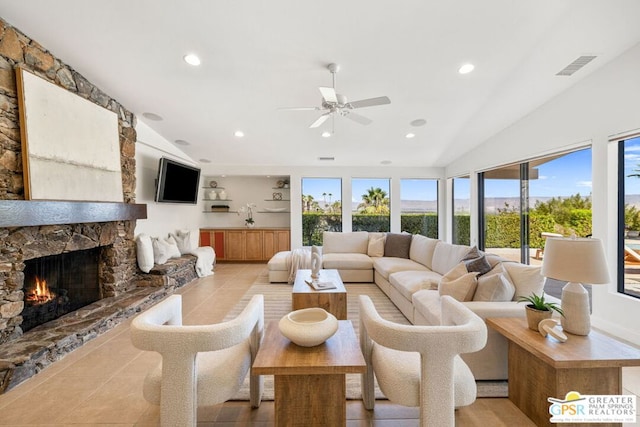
(177, 182)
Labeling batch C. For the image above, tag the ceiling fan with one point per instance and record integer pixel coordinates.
(335, 104)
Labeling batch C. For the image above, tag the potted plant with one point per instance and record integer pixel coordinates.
(538, 309)
(248, 209)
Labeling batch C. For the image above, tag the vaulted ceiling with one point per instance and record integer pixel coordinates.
(259, 56)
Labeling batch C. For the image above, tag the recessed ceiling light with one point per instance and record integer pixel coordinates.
(418, 122)
(410, 135)
(205, 161)
(326, 134)
(238, 134)
(182, 142)
(466, 68)
(385, 162)
(152, 116)
(192, 59)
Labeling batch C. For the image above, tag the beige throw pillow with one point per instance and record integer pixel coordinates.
(376, 244)
(495, 287)
(458, 283)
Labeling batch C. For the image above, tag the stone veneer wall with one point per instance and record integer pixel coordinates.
(118, 259)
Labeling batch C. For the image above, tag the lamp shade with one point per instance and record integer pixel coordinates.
(575, 260)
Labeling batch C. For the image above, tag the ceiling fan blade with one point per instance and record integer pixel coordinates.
(357, 118)
(329, 94)
(371, 102)
(320, 120)
(299, 108)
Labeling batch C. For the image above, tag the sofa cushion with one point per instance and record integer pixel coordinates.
(386, 266)
(376, 244)
(446, 256)
(474, 260)
(347, 261)
(427, 304)
(409, 282)
(336, 242)
(459, 283)
(526, 278)
(397, 245)
(495, 286)
(421, 249)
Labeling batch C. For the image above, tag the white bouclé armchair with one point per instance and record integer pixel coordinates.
(201, 365)
(420, 365)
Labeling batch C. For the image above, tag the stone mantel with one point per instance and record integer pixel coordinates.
(25, 213)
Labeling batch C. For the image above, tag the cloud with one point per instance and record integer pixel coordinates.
(543, 177)
(584, 184)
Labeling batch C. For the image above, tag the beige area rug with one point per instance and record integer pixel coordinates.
(277, 303)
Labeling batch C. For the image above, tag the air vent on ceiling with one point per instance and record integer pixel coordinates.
(327, 158)
(576, 65)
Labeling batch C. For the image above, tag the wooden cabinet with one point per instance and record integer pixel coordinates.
(241, 244)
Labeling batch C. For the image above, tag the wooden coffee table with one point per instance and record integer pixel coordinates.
(540, 367)
(332, 300)
(309, 382)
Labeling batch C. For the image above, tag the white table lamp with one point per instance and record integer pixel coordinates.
(575, 261)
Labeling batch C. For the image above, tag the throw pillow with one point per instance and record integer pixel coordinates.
(397, 245)
(144, 252)
(494, 287)
(476, 261)
(183, 240)
(459, 283)
(376, 244)
(160, 250)
(172, 247)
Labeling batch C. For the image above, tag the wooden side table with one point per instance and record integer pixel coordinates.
(332, 300)
(309, 382)
(540, 367)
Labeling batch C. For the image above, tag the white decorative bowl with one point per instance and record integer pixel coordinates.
(308, 327)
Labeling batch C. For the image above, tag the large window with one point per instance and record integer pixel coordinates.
(419, 206)
(629, 217)
(370, 204)
(461, 210)
(321, 208)
(526, 203)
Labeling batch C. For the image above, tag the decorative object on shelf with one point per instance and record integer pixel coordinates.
(222, 195)
(212, 195)
(280, 184)
(286, 183)
(213, 184)
(576, 261)
(308, 327)
(548, 327)
(538, 309)
(277, 196)
(248, 209)
(275, 209)
(219, 208)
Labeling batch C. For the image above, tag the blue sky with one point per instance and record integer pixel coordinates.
(631, 163)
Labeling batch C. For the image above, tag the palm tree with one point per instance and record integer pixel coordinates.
(374, 201)
(307, 201)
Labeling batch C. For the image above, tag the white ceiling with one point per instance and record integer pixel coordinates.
(261, 55)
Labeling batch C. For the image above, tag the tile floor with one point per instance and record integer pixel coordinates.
(101, 382)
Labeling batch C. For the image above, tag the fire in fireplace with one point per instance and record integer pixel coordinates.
(59, 284)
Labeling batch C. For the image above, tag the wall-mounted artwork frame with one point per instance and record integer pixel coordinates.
(70, 146)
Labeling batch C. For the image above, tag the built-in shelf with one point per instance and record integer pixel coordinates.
(280, 188)
(277, 200)
(274, 212)
(217, 200)
(233, 212)
(213, 188)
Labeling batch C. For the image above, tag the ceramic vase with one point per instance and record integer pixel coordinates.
(223, 195)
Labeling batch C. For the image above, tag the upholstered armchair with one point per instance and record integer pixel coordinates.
(420, 365)
(201, 365)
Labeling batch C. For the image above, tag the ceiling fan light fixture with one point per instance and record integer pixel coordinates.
(192, 59)
(466, 69)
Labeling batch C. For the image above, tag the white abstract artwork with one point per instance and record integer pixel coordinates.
(71, 148)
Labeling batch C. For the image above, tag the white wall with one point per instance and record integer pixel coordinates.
(162, 218)
(603, 104)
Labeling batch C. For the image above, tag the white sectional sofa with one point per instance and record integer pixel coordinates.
(414, 271)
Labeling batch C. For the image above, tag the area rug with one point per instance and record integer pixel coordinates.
(277, 303)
